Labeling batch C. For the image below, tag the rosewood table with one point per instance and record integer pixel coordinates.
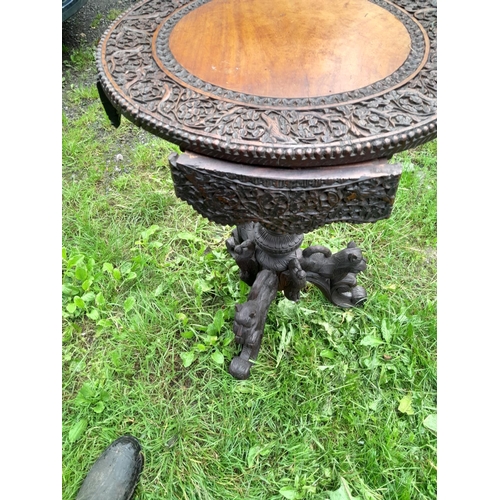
(287, 112)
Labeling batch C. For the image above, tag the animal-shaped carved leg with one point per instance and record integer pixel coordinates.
(241, 246)
(293, 280)
(249, 322)
(335, 274)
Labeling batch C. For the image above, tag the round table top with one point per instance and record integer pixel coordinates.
(285, 83)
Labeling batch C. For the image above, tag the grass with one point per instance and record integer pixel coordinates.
(80, 59)
(97, 19)
(337, 397)
(113, 14)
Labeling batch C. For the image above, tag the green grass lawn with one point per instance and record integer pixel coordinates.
(340, 405)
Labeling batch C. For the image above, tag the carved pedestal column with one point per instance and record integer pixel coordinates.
(273, 208)
(269, 262)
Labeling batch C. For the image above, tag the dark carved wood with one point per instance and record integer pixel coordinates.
(144, 82)
(273, 207)
(270, 262)
(285, 201)
(334, 274)
(249, 321)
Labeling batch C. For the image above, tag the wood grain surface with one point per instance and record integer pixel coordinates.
(290, 48)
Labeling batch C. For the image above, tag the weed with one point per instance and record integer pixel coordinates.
(81, 59)
(95, 22)
(113, 14)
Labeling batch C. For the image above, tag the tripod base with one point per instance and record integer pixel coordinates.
(270, 262)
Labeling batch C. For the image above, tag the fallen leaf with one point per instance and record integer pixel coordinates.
(405, 405)
(343, 493)
(431, 422)
(289, 492)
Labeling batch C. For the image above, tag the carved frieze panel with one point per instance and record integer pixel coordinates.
(236, 194)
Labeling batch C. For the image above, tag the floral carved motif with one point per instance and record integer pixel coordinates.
(294, 205)
(145, 83)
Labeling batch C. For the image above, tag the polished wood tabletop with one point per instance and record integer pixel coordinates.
(290, 49)
(283, 83)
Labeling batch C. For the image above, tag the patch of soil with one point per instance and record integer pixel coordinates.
(88, 25)
(83, 31)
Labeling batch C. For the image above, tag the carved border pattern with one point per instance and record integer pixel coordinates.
(291, 206)
(333, 133)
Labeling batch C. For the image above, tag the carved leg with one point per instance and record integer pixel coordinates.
(335, 274)
(249, 322)
(241, 246)
(269, 262)
(293, 280)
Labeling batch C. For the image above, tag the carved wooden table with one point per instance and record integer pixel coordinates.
(287, 112)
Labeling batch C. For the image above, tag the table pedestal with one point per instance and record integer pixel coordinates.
(272, 208)
(270, 262)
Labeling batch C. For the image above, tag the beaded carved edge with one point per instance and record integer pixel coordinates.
(395, 114)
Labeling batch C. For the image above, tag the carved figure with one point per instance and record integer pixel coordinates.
(335, 274)
(293, 280)
(249, 322)
(241, 246)
(244, 255)
(320, 260)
